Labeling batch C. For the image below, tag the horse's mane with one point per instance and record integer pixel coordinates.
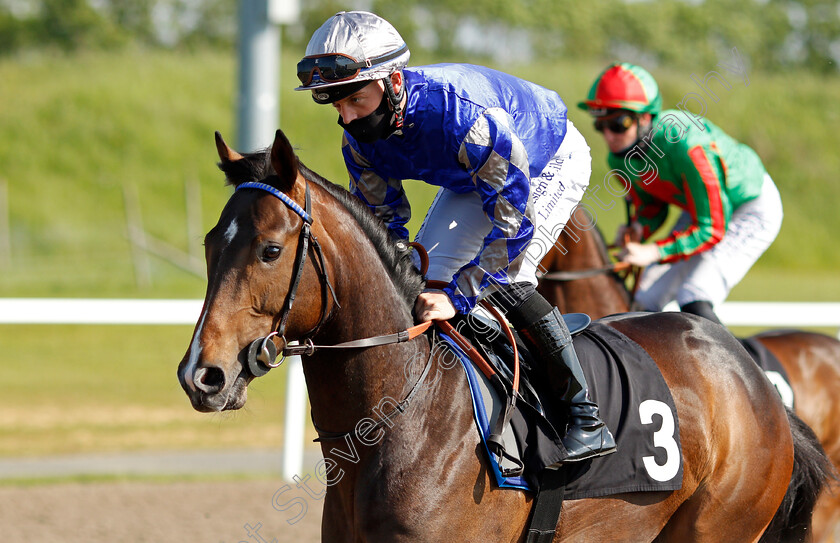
(396, 257)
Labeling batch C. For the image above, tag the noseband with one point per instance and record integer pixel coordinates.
(262, 351)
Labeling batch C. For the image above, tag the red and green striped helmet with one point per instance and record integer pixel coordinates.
(623, 86)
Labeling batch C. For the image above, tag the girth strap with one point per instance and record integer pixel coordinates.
(545, 513)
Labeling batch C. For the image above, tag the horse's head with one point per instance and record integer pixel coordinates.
(251, 262)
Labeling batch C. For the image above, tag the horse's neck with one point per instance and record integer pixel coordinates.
(346, 386)
(356, 394)
(600, 295)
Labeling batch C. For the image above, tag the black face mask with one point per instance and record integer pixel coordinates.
(376, 126)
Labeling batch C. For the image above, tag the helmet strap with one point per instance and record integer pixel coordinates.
(396, 100)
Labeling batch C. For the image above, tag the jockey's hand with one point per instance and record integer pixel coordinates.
(633, 231)
(433, 305)
(639, 254)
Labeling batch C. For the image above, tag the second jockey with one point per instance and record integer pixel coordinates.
(731, 209)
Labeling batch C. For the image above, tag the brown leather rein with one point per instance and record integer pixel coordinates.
(623, 269)
(263, 352)
(574, 275)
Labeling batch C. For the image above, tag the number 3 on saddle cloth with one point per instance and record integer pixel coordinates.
(632, 397)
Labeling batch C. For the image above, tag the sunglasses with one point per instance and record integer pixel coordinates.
(336, 67)
(618, 124)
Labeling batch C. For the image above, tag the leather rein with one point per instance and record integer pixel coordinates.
(573, 275)
(623, 269)
(262, 352)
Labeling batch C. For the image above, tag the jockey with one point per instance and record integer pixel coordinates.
(509, 165)
(732, 211)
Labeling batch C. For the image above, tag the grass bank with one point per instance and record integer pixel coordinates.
(77, 132)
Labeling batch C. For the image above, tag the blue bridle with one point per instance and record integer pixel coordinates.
(291, 204)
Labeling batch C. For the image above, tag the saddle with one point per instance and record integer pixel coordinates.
(624, 382)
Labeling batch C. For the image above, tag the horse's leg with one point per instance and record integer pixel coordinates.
(736, 441)
(812, 362)
(335, 524)
(427, 481)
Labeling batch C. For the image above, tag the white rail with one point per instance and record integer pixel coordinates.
(120, 311)
(125, 311)
(794, 314)
(98, 311)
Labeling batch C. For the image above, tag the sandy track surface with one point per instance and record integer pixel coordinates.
(212, 512)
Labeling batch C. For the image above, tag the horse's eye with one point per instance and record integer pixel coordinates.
(271, 253)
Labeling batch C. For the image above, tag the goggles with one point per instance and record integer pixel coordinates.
(617, 124)
(337, 67)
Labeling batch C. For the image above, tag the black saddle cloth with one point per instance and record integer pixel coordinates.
(774, 370)
(762, 356)
(628, 388)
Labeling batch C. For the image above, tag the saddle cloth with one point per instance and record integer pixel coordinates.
(633, 400)
(773, 369)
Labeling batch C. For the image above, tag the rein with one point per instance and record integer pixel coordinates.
(573, 275)
(262, 353)
(324, 435)
(620, 268)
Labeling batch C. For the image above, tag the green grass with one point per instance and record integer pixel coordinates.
(74, 130)
(74, 389)
(788, 286)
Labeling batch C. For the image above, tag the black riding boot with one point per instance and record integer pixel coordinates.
(587, 435)
(543, 327)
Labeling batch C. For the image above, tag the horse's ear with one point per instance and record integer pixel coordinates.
(284, 161)
(226, 153)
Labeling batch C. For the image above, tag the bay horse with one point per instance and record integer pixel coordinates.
(403, 461)
(811, 360)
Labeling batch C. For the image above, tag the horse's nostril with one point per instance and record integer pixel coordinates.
(209, 379)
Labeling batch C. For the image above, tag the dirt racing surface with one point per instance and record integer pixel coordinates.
(211, 512)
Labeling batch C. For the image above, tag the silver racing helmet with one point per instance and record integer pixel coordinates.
(351, 49)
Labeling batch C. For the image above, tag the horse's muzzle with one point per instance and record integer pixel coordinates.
(209, 390)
